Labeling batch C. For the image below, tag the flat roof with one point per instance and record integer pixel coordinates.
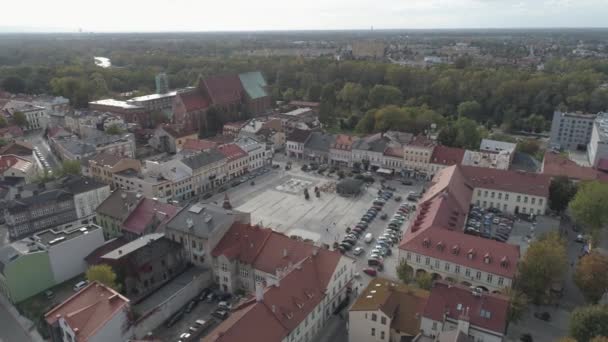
(116, 103)
(152, 97)
(52, 237)
(299, 111)
(133, 246)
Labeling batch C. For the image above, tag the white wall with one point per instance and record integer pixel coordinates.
(360, 325)
(507, 201)
(87, 202)
(67, 258)
(114, 329)
(478, 334)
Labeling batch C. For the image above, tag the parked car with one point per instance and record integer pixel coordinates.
(358, 251)
(373, 262)
(346, 246)
(545, 316)
(49, 294)
(383, 216)
(370, 272)
(580, 238)
(368, 238)
(191, 306)
(203, 294)
(276, 166)
(220, 314)
(407, 182)
(224, 306)
(80, 285)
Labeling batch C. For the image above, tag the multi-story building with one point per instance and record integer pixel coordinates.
(73, 148)
(207, 171)
(444, 156)
(571, 130)
(257, 99)
(153, 102)
(298, 286)
(435, 242)
(237, 160)
(386, 311)
(259, 153)
(149, 184)
(295, 141)
(96, 313)
(103, 166)
(130, 112)
(35, 115)
(170, 139)
(316, 148)
(48, 258)
(340, 153)
(16, 167)
(112, 212)
(62, 204)
(418, 153)
(199, 227)
(597, 149)
(147, 217)
(454, 310)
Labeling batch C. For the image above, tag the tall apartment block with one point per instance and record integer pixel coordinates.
(571, 131)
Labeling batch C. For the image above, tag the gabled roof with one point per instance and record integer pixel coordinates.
(119, 204)
(505, 180)
(106, 159)
(319, 141)
(193, 100)
(299, 135)
(148, 216)
(204, 220)
(254, 84)
(223, 89)
(20, 148)
(455, 300)
(555, 165)
(343, 142)
(445, 155)
(203, 159)
(89, 309)
(396, 152)
(14, 131)
(232, 151)
(8, 161)
(243, 242)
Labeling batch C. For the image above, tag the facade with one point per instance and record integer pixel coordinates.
(171, 139)
(15, 167)
(297, 304)
(479, 316)
(259, 154)
(103, 167)
(36, 116)
(154, 102)
(96, 313)
(147, 217)
(316, 148)
(207, 171)
(340, 153)
(198, 228)
(571, 130)
(598, 143)
(295, 141)
(237, 160)
(386, 311)
(444, 156)
(114, 210)
(129, 112)
(152, 185)
(48, 258)
(418, 153)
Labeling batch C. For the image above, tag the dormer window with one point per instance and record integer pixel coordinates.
(487, 258)
(504, 262)
(440, 246)
(426, 242)
(471, 254)
(455, 249)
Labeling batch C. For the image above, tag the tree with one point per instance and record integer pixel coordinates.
(70, 167)
(588, 322)
(528, 146)
(544, 263)
(382, 95)
(561, 192)
(591, 276)
(13, 84)
(114, 130)
(470, 109)
(468, 135)
(404, 271)
(20, 119)
(447, 135)
(590, 205)
(104, 274)
(518, 303)
(424, 281)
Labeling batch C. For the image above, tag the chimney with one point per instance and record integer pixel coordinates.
(463, 321)
(259, 292)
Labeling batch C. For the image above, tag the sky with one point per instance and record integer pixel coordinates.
(253, 15)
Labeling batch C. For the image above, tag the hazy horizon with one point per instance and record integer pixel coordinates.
(138, 16)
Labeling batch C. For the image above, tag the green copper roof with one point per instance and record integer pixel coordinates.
(254, 84)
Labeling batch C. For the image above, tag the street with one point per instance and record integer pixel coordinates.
(10, 330)
(36, 139)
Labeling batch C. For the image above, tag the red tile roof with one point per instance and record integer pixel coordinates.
(396, 152)
(243, 242)
(343, 142)
(198, 144)
(283, 306)
(444, 155)
(505, 180)
(232, 151)
(9, 160)
(299, 135)
(148, 216)
(194, 100)
(224, 89)
(89, 309)
(14, 131)
(446, 299)
(177, 132)
(602, 164)
(556, 165)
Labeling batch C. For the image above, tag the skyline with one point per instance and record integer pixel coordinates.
(314, 15)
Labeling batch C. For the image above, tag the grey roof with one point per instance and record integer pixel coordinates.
(496, 146)
(7, 254)
(79, 184)
(133, 246)
(77, 147)
(53, 195)
(402, 138)
(319, 141)
(298, 135)
(202, 220)
(375, 143)
(116, 206)
(204, 158)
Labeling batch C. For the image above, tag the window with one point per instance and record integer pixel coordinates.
(478, 275)
(485, 204)
(500, 195)
(417, 258)
(525, 199)
(492, 194)
(408, 256)
(518, 198)
(540, 201)
(373, 331)
(489, 279)
(374, 317)
(457, 269)
(533, 200)
(224, 267)
(436, 263)
(504, 207)
(479, 193)
(501, 280)
(467, 272)
(485, 193)
(427, 261)
(506, 197)
(434, 326)
(382, 335)
(383, 320)
(446, 266)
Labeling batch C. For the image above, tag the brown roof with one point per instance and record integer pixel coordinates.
(505, 180)
(198, 144)
(149, 216)
(89, 309)
(106, 159)
(232, 151)
(119, 204)
(343, 142)
(193, 100)
(455, 300)
(176, 132)
(555, 165)
(18, 147)
(421, 141)
(242, 242)
(94, 257)
(444, 155)
(224, 89)
(396, 152)
(299, 135)
(403, 304)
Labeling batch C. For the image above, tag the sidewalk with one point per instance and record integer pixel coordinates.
(24, 324)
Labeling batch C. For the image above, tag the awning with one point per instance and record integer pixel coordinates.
(385, 171)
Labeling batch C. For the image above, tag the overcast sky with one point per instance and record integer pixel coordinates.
(232, 15)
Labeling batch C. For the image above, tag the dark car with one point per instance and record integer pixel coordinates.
(220, 314)
(276, 166)
(207, 195)
(370, 272)
(191, 306)
(203, 294)
(545, 316)
(345, 246)
(224, 296)
(407, 182)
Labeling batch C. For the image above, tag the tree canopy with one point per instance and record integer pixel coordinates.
(70, 167)
(590, 205)
(20, 119)
(404, 272)
(104, 274)
(561, 192)
(591, 276)
(588, 322)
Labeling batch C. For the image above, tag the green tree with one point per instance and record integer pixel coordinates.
(70, 167)
(587, 322)
(590, 205)
(381, 95)
(114, 130)
(469, 135)
(518, 304)
(13, 84)
(404, 271)
(314, 93)
(104, 274)
(544, 263)
(561, 192)
(447, 135)
(529, 146)
(470, 109)
(352, 94)
(289, 95)
(20, 119)
(591, 276)
(424, 281)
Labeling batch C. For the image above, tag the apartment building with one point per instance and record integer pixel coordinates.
(259, 153)
(571, 130)
(103, 166)
(16, 167)
(597, 150)
(295, 141)
(418, 153)
(237, 160)
(36, 116)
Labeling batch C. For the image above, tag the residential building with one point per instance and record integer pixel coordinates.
(73, 148)
(63, 203)
(46, 259)
(103, 166)
(96, 313)
(35, 115)
(234, 128)
(481, 316)
(295, 141)
(316, 148)
(15, 167)
(147, 217)
(435, 242)
(418, 153)
(199, 227)
(444, 156)
(237, 160)
(129, 112)
(386, 311)
(392, 160)
(114, 210)
(501, 160)
(147, 263)
(297, 304)
(303, 118)
(340, 153)
(167, 138)
(207, 171)
(597, 150)
(571, 130)
(18, 148)
(257, 99)
(495, 146)
(556, 165)
(259, 154)
(148, 184)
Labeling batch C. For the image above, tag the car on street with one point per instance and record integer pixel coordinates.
(358, 251)
(543, 316)
(580, 238)
(80, 285)
(407, 182)
(220, 314)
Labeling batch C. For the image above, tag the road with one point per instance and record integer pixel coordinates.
(10, 330)
(35, 138)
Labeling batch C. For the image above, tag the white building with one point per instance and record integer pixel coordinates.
(259, 155)
(571, 130)
(340, 152)
(417, 154)
(35, 115)
(598, 143)
(96, 313)
(13, 166)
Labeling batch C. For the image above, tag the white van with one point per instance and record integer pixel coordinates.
(80, 285)
(368, 238)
